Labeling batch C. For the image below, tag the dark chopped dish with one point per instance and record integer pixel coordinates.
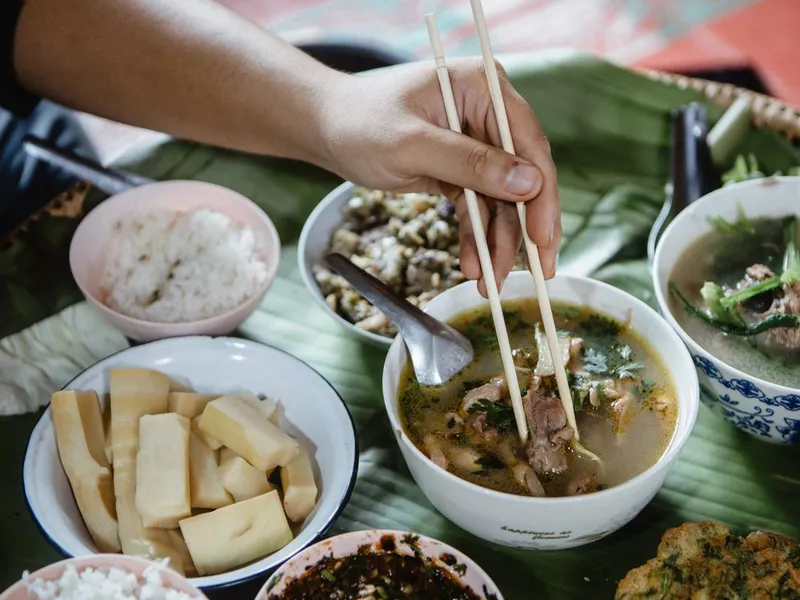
(376, 576)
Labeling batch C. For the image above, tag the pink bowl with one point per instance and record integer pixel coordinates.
(463, 568)
(131, 564)
(89, 250)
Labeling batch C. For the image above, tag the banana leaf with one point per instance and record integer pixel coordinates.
(609, 129)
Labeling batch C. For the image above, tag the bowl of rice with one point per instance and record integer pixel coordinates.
(103, 577)
(175, 258)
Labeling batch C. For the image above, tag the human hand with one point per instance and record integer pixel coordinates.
(389, 131)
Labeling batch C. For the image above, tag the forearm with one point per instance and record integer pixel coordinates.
(193, 69)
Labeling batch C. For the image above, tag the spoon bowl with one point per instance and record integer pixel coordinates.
(438, 352)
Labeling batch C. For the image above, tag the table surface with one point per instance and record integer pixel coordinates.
(722, 474)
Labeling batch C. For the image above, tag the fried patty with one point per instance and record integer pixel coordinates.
(704, 561)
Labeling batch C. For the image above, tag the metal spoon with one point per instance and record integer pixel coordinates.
(438, 352)
(111, 181)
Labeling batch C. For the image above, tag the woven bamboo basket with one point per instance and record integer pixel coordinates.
(767, 112)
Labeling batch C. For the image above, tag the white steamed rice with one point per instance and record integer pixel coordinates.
(103, 584)
(173, 267)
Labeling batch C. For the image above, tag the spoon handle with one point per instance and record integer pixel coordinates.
(408, 318)
(111, 181)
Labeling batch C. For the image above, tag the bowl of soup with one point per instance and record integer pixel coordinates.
(727, 278)
(634, 391)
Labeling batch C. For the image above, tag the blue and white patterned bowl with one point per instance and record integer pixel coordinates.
(763, 409)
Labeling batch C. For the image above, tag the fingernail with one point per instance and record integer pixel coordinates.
(522, 179)
(500, 283)
(552, 231)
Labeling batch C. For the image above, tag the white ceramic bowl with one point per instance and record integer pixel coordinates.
(95, 235)
(548, 523)
(768, 411)
(471, 576)
(311, 409)
(315, 239)
(130, 564)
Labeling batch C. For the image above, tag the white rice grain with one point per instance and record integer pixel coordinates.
(172, 267)
(103, 584)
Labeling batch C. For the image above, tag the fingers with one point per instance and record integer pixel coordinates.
(505, 237)
(470, 263)
(548, 255)
(544, 212)
(459, 160)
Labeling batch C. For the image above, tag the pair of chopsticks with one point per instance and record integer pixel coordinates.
(484, 257)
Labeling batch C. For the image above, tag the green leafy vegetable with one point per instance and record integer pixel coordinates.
(741, 227)
(714, 297)
(746, 168)
(645, 388)
(790, 274)
(328, 575)
(578, 387)
(595, 362)
(771, 322)
(498, 415)
(618, 363)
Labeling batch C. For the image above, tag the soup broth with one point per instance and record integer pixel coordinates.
(735, 257)
(623, 396)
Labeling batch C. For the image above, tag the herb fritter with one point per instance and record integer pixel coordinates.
(704, 561)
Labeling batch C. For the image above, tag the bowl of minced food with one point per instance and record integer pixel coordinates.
(175, 258)
(103, 577)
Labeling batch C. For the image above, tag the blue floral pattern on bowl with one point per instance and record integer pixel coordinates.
(747, 406)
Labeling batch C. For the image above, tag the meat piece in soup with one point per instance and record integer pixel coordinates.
(736, 292)
(623, 397)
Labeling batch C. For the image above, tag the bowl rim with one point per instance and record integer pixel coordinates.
(689, 406)
(658, 259)
(89, 558)
(377, 534)
(272, 243)
(305, 269)
(317, 535)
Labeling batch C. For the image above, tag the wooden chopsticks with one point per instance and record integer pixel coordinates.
(480, 239)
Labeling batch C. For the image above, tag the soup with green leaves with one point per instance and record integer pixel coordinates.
(624, 398)
(736, 292)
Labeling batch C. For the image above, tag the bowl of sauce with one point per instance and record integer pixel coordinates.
(377, 564)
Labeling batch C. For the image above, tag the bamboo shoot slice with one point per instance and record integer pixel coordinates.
(209, 440)
(243, 429)
(266, 407)
(299, 487)
(189, 404)
(229, 537)
(78, 425)
(135, 393)
(163, 495)
(177, 540)
(242, 479)
(206, 488)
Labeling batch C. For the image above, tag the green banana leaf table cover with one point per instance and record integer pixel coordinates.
(609, 130)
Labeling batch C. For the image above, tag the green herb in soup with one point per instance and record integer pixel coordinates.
(736, 292)
(623, 396)
(377, 576)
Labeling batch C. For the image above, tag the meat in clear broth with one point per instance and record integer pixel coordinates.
(623, 396)
(736, 292)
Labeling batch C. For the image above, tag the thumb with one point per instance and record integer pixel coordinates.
(458, 159)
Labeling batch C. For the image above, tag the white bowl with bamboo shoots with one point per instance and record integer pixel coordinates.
(222, 455)
(635, 395)
(727, 278)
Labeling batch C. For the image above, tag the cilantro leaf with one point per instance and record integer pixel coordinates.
(595, 362)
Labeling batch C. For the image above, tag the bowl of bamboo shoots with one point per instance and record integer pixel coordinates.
(222, 456)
